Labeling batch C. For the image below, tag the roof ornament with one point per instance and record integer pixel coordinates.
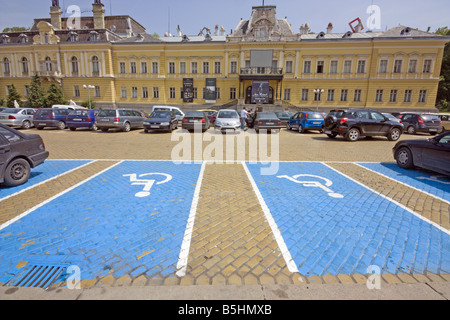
(55, 3)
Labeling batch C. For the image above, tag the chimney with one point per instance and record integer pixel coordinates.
(55, 14)
(99, 14)
(330, 28)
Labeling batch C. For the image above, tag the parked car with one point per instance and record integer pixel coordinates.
(354, 123)
(432, 154)
(212, 114)
(19, 153)
(123, 119)
(227, 119)
(55, 118)
(17, 117)
(161, 120)
(69, 107)
(284, 117)
(445, 118)
(1, 109)
(392, 117)
(178, 113)
(306, 120)
(417, 122)
(82, 119)
(192, 119)
(265, 121)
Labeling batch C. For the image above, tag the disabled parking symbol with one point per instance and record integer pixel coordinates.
(315, 184)
(147, 183)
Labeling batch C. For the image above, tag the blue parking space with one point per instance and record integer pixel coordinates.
(434, 184)
(48, 170)
(128, 220)
(333, 225)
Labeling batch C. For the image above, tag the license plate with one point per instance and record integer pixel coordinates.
(105, 120)
(317, 122)
(154, 127)
(3, 117)
(328, 132)
(77, 119)
(194, 120)
(270, 123)
(42, 124)
(433, 130)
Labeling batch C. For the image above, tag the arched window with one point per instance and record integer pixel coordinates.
(48, 64)
(95, 65)
(24, 65)
(6, 68)
(74, 65)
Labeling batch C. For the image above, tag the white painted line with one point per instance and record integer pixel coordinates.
(186, 245)
(393, 201)
(48, 180)
(6, 224)
(385, 176)
(275, 230)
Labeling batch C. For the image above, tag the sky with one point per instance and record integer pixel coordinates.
(193, 15)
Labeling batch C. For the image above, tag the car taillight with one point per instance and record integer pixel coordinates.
(421, 121)
(203, 120)
(67, 118)
(279, 123)
(184, 120)
(51, 117)
(306, 116)
(12, 117)
(344, 120)
(116, 119)
(259, 123)
(88, 119)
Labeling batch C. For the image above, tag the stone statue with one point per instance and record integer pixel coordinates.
(97, 2)
(55, 3)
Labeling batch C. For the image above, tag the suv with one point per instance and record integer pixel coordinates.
(124, 119)
(50, 118)
(428, 123)
(354, 123)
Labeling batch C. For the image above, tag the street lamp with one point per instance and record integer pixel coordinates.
(89, 93)
(318, 93)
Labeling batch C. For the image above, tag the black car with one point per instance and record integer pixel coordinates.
(265, 121)
(194, 119)
(354, 123)
(432, 154)
(19, 153)
(427, 123)
(161, 120)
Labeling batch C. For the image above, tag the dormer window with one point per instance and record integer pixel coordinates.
(23, 38)
(93, 36)
(5, 39)
(73, 36)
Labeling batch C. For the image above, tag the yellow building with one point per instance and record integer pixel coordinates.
(263, 61)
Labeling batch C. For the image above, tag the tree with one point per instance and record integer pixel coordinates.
(15, 29)
(54, 96)
(443, 96)
(13, 95)
(36, 99)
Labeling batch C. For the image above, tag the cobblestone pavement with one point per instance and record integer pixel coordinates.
(323, 216)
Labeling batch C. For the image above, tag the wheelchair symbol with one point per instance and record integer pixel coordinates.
(147, 183)
(315, 184)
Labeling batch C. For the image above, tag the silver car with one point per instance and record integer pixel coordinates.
(227, 120)
(17, 117)
(124, 119)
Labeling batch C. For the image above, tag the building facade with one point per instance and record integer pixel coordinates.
(263, 61)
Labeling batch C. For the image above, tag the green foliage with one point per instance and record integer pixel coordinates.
(13, 95)
(2, 102)
(15, 29)
(86, 104)
(36, 99)
(54, 96)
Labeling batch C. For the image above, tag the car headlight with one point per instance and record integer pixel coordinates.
(165, 123)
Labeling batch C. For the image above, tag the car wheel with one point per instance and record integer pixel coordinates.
(26, 125)
(352, 135)
(404, 158)
(94, 127)
(300, 129)
(61, 125)
(126, 127)
(72, 128)
(104, 129)
(288, 127)
(394, 135)
(170, 128)
(17, 173)
(40, 128)
(411, 130)
(332, 136)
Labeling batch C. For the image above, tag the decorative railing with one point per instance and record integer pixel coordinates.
(261, 71)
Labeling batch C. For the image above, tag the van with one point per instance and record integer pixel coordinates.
(68, 107)
(178, 113)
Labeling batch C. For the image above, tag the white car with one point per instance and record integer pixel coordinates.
(227, 119)
(178, 113)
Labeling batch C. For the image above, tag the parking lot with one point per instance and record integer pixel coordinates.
(116, 205)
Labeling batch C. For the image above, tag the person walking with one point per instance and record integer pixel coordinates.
(244, 114)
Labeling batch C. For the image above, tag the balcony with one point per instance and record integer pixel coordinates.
(261, 73)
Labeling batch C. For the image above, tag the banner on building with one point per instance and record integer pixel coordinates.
(260, 92)
(188, 90)
(210, 90)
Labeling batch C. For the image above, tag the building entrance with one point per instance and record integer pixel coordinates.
(248, 95)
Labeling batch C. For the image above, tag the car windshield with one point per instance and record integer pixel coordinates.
(268, 115)
(389, 116)
(315, 116)
(228, 114)
(430, 117)
(283, 115)
(13, 111)
(337, 113)
(160, 114)
(107, 113)
(196, 114)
